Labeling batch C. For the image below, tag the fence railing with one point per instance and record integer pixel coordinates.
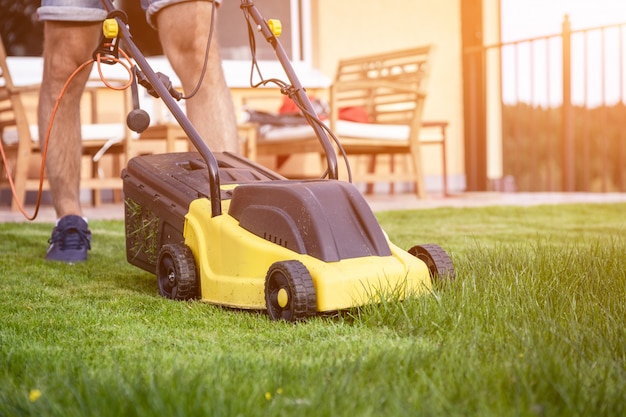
(561, 112)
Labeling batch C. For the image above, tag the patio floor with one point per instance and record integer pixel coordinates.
(378, 202)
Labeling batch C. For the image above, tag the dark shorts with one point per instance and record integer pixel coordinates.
(93, 11)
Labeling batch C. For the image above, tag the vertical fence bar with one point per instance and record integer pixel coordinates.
(604, 140)
(621, 163)
(548, 127)
(533, 161)
(517, 129)
(585, 160)
(568, 157)
(497, 185)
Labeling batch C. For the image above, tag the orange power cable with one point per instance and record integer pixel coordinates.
(44, 151)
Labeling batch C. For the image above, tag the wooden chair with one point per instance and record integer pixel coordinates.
(387, 91)
(20, 141)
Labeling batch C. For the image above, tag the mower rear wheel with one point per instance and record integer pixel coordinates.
(289, 292)
(176, 272)
(437, 260)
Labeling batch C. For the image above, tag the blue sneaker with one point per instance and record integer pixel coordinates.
(70, 241)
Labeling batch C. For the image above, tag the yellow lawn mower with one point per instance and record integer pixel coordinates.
(223, 229)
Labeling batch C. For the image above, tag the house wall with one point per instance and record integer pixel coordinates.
(346, 28)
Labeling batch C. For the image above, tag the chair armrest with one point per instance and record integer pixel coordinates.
(31, 88)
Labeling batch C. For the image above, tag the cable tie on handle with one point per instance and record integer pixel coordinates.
(108, 51)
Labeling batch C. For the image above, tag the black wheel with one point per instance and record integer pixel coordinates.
(289, 292)
(176, 272)
(437, 260)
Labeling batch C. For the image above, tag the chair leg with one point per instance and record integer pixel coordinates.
(371, 169)
(20, 176)
(96, 195)
(392, 170)
(281, 160)
(418, 173)
(409, 167)
(117, 170)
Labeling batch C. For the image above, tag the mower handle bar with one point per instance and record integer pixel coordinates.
(187, 126)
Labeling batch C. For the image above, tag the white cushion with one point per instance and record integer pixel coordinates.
(288, 132)
(353, 129)
(343, 128)
(89, 132)
(372, 130)
(112, 132)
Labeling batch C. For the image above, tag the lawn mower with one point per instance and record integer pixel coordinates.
(228, 231)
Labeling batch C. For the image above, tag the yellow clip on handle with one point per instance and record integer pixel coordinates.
(110, 28)
(275, 26)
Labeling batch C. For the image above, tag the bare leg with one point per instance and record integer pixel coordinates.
(184, 31)
(66, 47)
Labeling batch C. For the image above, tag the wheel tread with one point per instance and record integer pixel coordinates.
(187, 280)
(303, 298)
(443, 266)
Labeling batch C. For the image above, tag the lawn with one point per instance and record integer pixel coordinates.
(533, 325)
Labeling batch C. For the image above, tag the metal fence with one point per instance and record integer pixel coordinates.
(560, 124)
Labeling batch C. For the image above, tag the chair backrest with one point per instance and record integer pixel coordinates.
(5, 76)
(13, 117)
(389, 88)
(12, 112)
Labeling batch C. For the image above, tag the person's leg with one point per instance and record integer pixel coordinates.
(67, 45)
(70, 37)
(184, 31)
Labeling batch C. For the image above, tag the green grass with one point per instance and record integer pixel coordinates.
(533, 325)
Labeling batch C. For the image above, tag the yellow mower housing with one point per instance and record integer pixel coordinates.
(293, 248)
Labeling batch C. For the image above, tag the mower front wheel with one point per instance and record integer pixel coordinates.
(437, 260)
(289, 292)
(176, 272)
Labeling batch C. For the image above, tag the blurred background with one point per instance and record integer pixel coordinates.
(532, 90)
